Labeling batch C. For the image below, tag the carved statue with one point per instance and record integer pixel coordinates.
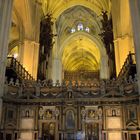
(64, 84)
(17, 82)
(130, 80)
(11, 82)
(135, 78)
(102, 86)
(57, 83)
(37, 88)
(113, 112)
(70, 121)
(100, 112)
(56, 112)
(83, 113)
(27, 113)
(44, 83)
(48, 114)
(50, 82)
(70, 85)
(41, 113)
(92, 114)
(76, 84)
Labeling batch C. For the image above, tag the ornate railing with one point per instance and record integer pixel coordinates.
(129, 62)
(95, 91)
(22, 73)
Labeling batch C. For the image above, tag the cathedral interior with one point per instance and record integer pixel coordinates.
(69, 70)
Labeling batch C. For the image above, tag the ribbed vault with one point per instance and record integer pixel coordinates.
(74, 54)
(81, 54)
(56, 7)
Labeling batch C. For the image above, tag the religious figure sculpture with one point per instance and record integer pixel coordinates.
(48, 114)
(92, 114)
(70, 124)
(41, 113)
(11, 82)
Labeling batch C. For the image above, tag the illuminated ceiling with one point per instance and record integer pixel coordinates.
(56, 7)
(81, 54)
(77, 15)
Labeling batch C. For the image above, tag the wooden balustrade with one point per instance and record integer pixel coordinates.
(13, 64)
(129, 62)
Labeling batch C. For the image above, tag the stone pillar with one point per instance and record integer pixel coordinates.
(117, 56)
(38, 9)
(122, 30)
(135, 17)
(30, 51)
(49, 67)
(5, 24)
(54, 56)
(57, 70)
(104, 71)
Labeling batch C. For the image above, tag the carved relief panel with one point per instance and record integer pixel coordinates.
(113, 111)
(92, 121)
(113, 117)
(48, 113)
(91, 113)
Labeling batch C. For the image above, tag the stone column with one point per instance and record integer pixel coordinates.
(54, 56)
(57, 70)
(5, 24)
(104, 72)
(30, 48)
(30, 51)
(49, 67)
(122, 30)
(135, 17)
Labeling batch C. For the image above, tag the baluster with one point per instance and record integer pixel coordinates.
(23, 74)
(20, 70)
(12, 62)
(16, 65)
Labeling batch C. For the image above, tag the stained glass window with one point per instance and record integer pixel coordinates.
(80, 27)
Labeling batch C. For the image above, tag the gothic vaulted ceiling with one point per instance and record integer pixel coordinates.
(79, 53)
(56, 7)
